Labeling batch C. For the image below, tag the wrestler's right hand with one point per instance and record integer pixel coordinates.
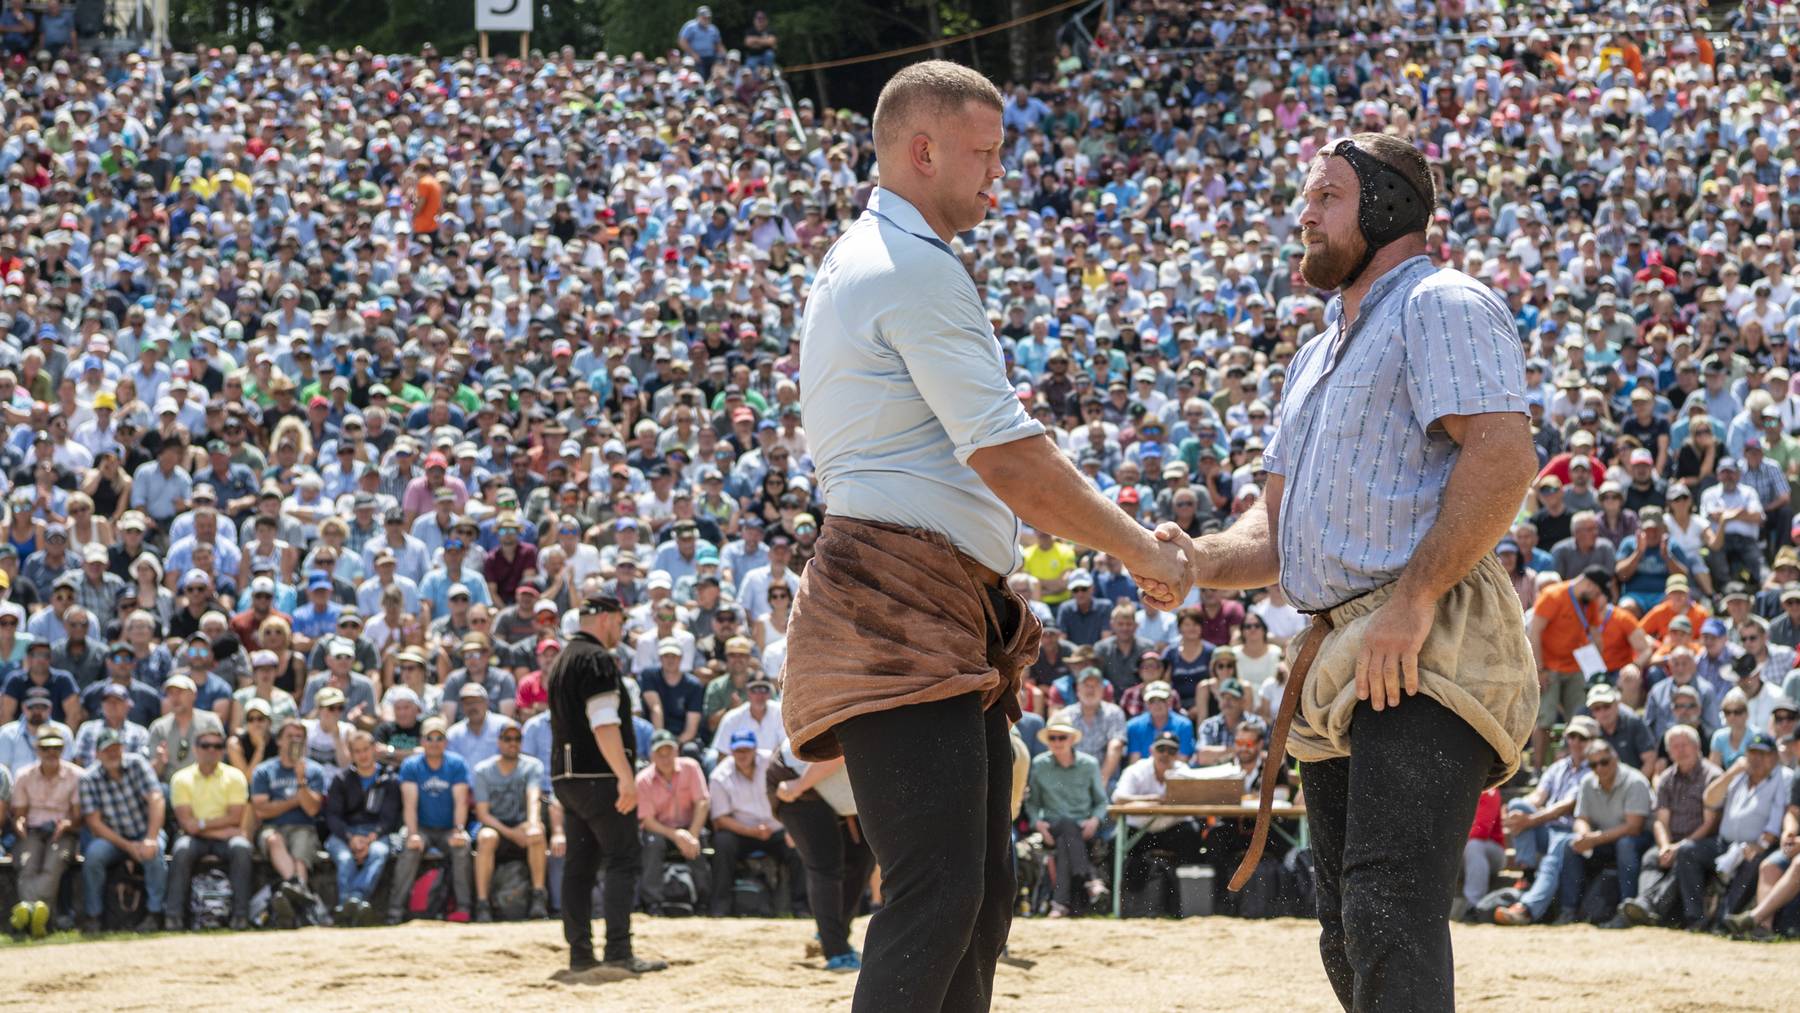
(1165, 579)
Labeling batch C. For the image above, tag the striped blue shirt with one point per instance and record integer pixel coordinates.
(1363, 464)
(901, 381)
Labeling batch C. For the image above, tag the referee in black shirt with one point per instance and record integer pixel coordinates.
(595, 776)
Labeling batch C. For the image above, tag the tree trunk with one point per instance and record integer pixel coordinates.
(934, 28)
(1019, 41)
(812, 56)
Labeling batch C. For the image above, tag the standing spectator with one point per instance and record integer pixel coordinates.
(700, 39)
(759, 43)
(122, 804)
(209, 797)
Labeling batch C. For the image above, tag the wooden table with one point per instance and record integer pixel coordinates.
(1125, 837)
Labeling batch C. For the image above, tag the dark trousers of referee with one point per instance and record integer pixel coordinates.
(933, 787)
(1388, 824)
(596, 832)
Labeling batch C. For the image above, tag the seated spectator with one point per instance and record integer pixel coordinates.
(1064, 803)
(18, 739)
(114, 706)
(1778, 879)
(760, 715)
(1542, 821)
(1620, 725)
(400, 737)
(743, 821)
(477, 736)
(434, 791)
(46, 809)
(478, 670)
(674, 699)
(1158, 717)
(1612, 805)
(287, 793)
(1101, 724)
(508, 795)
(356, 689)
(1484, 854)
(209, 797)
(1216, 740)
(1146, 780)
(122, 806)
(1680, 820)
(1751, 798)
(173, 736)
(362, 814)
(121, 664)
(673, 806)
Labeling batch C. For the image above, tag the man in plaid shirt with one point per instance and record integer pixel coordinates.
(122, 804)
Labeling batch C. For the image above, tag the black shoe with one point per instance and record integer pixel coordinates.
(88, 926)
(1567, 918)
(153, 922)
(636, 965)
(579, 962)
(281, 910)
(1618, 921)
(393, 919)
(540, 905)
(1635, 912)
(484, 912)
(366, 915)
(240, 923)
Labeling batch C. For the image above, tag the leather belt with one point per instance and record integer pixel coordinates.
(1284, 720)
(979, 573)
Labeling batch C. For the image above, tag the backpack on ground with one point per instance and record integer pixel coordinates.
(430, 895)
(209, 900)
(680, 894)
(510, 891)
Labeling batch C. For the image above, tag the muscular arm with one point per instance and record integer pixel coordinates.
(1479, 503)
(1244, 555)
(1034, 479)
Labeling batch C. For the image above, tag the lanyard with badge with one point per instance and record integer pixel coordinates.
(1587, 656)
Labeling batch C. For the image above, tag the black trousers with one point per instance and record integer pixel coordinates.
(1388, 825)
(597, 832)
(837, 868)
(727, 847)
(933, 786)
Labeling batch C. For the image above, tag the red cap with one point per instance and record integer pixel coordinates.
(1128, 495)
(742, 413)
(1118, 276)
(436, 460)
(318, 401)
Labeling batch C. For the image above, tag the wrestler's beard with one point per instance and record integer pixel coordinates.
(1327, 266)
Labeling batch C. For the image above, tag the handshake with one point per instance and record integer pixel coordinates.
(1168, 568)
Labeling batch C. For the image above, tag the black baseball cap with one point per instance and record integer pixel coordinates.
(1166, 737)
(601, 603)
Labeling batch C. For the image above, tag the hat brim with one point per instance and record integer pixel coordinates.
(1043, 734)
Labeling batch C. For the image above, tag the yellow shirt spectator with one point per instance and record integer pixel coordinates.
(1049, 563)
(209, 797)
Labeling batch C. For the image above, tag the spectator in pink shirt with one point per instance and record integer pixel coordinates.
(673, 802)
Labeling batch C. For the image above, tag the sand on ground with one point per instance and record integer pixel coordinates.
(739, 964)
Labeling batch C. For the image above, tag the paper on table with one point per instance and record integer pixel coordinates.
(1589, 659)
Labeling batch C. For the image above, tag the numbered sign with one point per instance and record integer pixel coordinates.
(503, 15)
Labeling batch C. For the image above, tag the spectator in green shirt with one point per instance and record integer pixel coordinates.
(1066, 803)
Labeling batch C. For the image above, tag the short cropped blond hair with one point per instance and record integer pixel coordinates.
(932, 89)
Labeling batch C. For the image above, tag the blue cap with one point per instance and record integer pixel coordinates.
(48, 331)
(318, 580)
(745, 739)
(1760, 740)
(766, 424)
(1712, 628)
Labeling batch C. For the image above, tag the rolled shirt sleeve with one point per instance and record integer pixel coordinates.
(1463, 355)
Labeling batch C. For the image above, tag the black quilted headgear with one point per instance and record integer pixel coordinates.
(1388, 205)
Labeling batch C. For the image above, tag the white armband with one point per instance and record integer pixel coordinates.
(603, 709)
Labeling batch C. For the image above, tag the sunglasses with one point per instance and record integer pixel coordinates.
(434, 737)
(1057, 738)
(257, 717)
(453, 543)
(215, 744)
(1603, 764)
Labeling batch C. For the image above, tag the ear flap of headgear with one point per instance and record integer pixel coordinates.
(1388, 205)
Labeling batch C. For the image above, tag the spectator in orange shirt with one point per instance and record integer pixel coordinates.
(1676, 602)
(1566, 617)
(428, 202)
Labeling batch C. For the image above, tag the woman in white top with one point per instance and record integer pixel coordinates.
(1687, 530)
(772, 625)
(1258, 663)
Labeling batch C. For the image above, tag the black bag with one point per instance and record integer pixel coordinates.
(511, 891)
(1261, 897)
(750, 899)
(1300, 885)
(1601, 897)
(680, 894)
(1663, 898)
(124, 897)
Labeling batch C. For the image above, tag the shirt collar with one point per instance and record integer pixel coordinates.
(1380, 289)
(900, 211)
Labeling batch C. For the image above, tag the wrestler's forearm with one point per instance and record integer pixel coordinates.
(1242, 556)
(1034, 479)
(1477, 508)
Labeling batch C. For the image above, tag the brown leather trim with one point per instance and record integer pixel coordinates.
(1284, 720)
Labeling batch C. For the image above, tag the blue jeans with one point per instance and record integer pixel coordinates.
(1558, 877)
(354, 881)
(99, 855)
(1529, 847)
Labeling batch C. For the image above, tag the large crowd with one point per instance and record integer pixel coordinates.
(332, 381)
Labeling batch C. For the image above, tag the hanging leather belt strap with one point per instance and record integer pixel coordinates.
(1284, 719)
